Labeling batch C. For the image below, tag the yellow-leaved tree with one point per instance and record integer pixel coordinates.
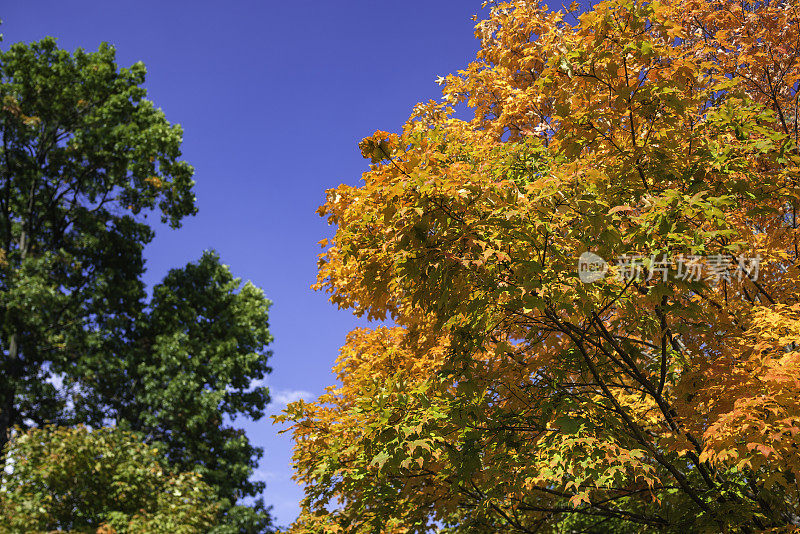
(594, 280)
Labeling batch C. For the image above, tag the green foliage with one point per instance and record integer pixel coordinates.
(85, 159)
(106, 480)
(82, 152)
(193, 356)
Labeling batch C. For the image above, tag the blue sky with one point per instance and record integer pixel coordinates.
(273, 98)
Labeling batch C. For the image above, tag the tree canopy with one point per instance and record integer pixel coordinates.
(105, 481)
(189, 370)
(85, 159)
(514, 393)
(82, 152)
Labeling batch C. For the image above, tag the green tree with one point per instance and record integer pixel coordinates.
(196, 349)
(82, 152)
(85, 158)
(106, 480)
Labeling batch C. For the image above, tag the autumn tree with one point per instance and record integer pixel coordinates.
(518, 394)
(85, 159)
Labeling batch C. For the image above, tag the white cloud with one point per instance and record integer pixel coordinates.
(285, 396)
(264, 475)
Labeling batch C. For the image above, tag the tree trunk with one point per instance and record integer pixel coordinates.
(8, 415)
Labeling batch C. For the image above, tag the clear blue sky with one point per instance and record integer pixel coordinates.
(273, 98)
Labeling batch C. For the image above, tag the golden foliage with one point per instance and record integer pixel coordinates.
(514, 397)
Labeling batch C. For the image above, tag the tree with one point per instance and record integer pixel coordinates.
(518, 393)
(103, 481)
(85, 159)
(82, 152)
(187, 372)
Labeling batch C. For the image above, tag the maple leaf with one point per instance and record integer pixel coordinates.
(507, 383)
